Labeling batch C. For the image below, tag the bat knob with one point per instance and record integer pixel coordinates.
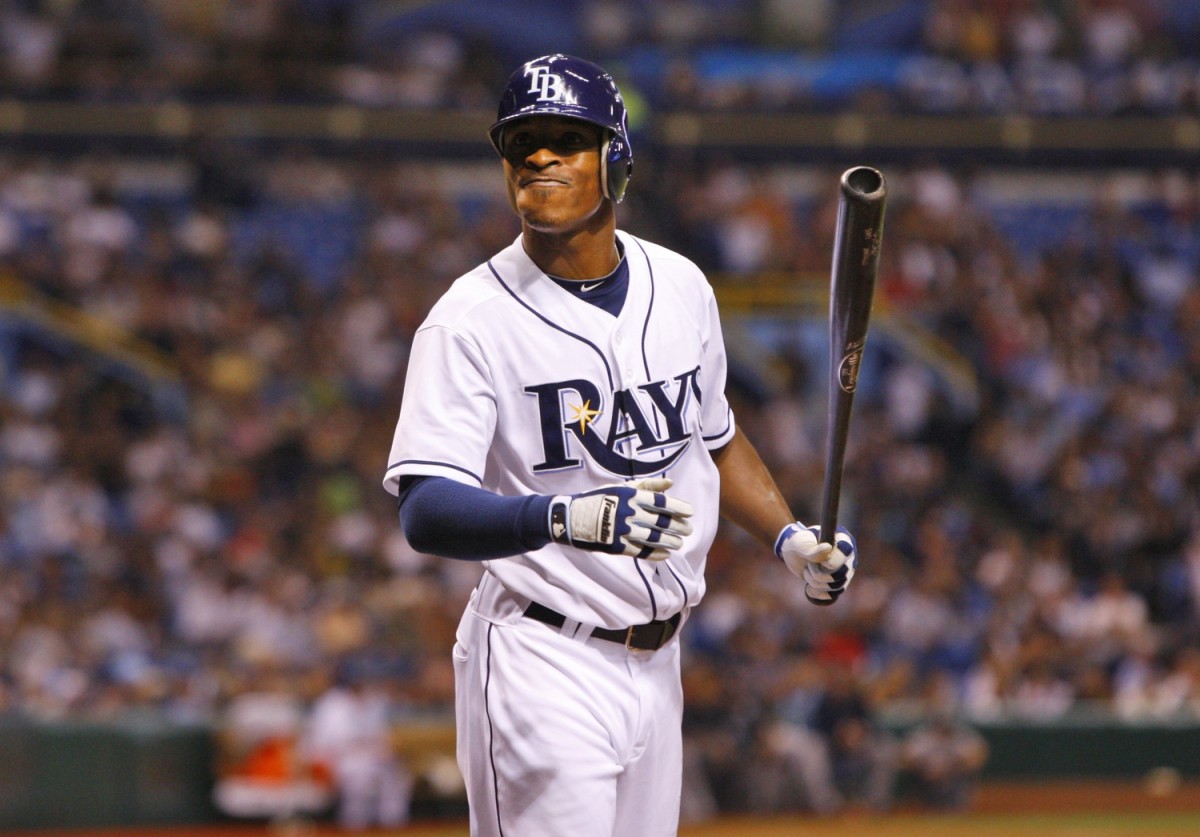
(818, 602)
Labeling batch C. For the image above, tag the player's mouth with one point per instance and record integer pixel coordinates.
(541, 181)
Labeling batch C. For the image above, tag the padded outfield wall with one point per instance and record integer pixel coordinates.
(149, 772)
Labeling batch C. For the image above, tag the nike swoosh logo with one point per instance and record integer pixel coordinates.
(591, 287)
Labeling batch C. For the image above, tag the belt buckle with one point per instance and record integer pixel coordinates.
(629, 646)
(666, 629)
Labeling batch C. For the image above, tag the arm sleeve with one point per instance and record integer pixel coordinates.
(441, 516)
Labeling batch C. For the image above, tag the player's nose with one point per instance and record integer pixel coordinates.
(541, 157)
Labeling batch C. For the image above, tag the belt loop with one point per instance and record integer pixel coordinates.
(570, 629)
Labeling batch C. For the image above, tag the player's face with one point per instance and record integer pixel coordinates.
(552, 170)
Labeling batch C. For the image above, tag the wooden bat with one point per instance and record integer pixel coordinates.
(855, 265)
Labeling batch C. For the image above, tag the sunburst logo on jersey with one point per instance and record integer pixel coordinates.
(585, 415)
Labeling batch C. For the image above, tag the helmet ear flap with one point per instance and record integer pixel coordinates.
(616, 166)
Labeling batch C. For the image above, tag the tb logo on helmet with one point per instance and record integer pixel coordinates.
(547, 85)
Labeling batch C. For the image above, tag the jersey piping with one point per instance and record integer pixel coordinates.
(551, 323)
(452, 467)
(646, 369)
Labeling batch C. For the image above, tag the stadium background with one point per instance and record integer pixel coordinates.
(221, 221)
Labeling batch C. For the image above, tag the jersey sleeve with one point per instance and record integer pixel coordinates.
(717, 425)
(448, 413)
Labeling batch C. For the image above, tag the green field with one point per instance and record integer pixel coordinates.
(1178, 824)
(1130, 824)
(923, 825)
(1046, 809)
(978, 825)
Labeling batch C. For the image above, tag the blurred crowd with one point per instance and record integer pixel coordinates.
(1025, 554)
(992, 56)
(1030, 546)
(1094, 56)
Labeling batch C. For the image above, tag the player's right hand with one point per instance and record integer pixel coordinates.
(827, 569)
(636, 518)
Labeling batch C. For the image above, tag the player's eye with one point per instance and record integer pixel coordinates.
(519, 140)
(523, 142)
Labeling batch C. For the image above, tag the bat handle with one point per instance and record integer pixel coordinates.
(829, 509)
(828, 529)
(836, 440)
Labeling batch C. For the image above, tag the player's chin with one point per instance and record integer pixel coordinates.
(547, 218)
(539, 198)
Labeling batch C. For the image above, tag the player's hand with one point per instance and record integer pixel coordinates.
(636, 518)
(826, 569)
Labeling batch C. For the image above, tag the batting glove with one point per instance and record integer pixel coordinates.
(826, 569)
(636, 518)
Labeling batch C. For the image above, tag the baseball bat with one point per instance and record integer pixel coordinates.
(855, 265)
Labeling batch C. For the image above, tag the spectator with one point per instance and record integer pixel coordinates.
(349, 733)
(946, 757)
(862, 755)
(262, 771)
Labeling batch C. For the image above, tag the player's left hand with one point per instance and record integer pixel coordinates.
(637, 519)
(827, 569)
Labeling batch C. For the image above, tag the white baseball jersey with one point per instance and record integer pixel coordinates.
(516, 385)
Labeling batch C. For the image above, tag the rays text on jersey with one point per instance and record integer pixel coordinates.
(646, 430)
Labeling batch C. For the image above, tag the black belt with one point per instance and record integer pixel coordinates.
(648, 637)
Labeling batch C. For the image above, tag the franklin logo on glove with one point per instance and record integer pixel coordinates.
(608, 513)
(636, 518)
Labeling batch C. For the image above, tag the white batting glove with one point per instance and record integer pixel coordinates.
(636, 519)
(827, 570)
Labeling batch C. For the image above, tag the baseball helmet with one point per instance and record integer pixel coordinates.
(563, 85)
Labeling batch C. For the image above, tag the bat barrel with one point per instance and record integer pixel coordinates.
(855, 264)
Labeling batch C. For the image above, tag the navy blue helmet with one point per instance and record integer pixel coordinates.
(563, 85)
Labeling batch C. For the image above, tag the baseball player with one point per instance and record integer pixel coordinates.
(565, 423)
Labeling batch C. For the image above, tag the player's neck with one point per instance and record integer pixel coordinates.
(581, 254)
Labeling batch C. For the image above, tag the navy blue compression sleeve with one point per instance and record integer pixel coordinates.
(443, 517)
